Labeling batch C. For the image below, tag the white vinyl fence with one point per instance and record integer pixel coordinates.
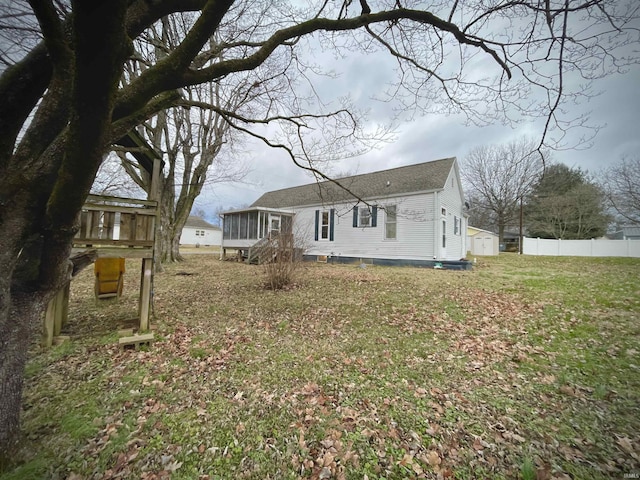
(581, 248)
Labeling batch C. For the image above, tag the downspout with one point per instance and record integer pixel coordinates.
(222, 255)
(436, 225)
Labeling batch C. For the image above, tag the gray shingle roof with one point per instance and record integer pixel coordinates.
(630, 231)
(412, 178)
(197, 222)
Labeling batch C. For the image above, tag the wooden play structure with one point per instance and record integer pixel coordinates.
(113, 229)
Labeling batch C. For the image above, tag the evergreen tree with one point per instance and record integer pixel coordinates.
(566, 204)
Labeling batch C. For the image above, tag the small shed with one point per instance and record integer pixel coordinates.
(482, 242)
(198, 231)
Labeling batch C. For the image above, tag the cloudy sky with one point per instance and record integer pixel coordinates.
(616, 110)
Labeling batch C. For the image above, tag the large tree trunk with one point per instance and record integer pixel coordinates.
(47, 179)
(175, 248)
(18, 325)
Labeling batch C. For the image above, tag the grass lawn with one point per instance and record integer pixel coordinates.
(523, 367)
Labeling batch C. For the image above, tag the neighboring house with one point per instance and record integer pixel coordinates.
(626, 233)
(482, 242)
(197, 231)
(406, 215)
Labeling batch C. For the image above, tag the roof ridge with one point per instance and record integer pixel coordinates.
(334, 180)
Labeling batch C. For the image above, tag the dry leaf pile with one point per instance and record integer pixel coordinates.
(350, 373)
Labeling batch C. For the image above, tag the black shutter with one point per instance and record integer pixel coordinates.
(355, 216)
(317, 223)
(332, 214)
(374, 216)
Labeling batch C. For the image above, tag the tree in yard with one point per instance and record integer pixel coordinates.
(566, 204)
(189, 137)
(113, 181)
(479, 216)
(66, 98)
(621, 184)
(191, 141)
(498, 177)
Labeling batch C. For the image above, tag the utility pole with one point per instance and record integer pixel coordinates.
(520, 240)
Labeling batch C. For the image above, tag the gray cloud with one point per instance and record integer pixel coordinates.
(616, 110)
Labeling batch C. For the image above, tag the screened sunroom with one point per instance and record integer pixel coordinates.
(242, 229)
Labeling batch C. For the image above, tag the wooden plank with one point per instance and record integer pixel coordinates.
(127, 221)
(147, 211)
(60, 311)
(59, 340)
(108, 225)
(136, 340)
(107, 198)
(122, 251)
(82, 232)
(109, 241)
(55, 316)
(141, 228)
(145, 293)
(94, 224)
(65, 304)
(47, 331)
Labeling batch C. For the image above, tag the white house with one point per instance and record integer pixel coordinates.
(197, 231)
(407, 215)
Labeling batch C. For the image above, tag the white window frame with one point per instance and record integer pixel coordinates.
(324, 234)
(394, 222)
(456, 225)
(444, 233)
(364, 213)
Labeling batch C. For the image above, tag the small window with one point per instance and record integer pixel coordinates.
(365, 217)
(443, 211)
(456, 225)
(325, 226)
(444, 234)
(390, 222)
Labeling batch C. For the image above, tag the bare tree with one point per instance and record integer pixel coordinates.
(621, 184)
(498, 177)
(191, 141)
(479, 216)
(112, 180)
(66, 99)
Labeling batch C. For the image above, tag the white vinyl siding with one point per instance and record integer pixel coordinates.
(451, 203)
(193, 236)
(414, 230)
